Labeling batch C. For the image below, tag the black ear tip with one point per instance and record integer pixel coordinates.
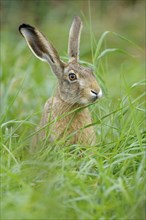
(22, 26)
(25, 26)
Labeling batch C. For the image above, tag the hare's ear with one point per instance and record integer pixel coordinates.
(74, 39)
(41, 48)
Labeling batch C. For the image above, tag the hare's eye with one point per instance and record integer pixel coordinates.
(72, 76)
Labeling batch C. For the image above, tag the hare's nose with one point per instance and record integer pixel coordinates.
(96, 95)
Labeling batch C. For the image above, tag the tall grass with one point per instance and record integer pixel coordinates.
(106, 181)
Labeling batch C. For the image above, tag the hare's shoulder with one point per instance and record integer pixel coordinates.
(47, 110)
(48, 105)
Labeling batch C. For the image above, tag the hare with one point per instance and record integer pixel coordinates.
(77, 87)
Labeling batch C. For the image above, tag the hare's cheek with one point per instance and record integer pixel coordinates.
(83, 101)
(75, 92)
(86, 97)
(69, 92)
(63, 89)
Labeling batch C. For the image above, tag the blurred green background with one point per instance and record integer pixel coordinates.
(109, 181)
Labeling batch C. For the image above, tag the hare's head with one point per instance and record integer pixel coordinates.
(77, 84)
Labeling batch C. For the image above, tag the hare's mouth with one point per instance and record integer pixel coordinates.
(91, 97)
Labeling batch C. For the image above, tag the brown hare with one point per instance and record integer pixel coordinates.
(77, 87)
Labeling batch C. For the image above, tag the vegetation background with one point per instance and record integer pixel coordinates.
(103, 182)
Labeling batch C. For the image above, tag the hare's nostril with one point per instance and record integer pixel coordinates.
(96, 95)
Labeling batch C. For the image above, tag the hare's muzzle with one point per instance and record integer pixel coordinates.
(96, 95)
(99, 94)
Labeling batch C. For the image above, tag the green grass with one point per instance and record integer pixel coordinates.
(106, 181)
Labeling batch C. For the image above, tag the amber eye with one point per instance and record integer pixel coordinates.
(72, 76)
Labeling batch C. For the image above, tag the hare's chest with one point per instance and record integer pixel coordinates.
(73, 128)
(66, 124)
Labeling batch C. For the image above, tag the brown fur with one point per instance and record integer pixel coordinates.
(68, 122)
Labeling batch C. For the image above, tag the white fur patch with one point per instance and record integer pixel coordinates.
(82, 83)
(100, 94)
(84, 101)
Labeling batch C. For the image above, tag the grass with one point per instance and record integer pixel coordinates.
(106, 181)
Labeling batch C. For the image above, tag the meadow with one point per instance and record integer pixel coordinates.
(106, 181)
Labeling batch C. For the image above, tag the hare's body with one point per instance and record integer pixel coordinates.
(64, 122)
(65, 115)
